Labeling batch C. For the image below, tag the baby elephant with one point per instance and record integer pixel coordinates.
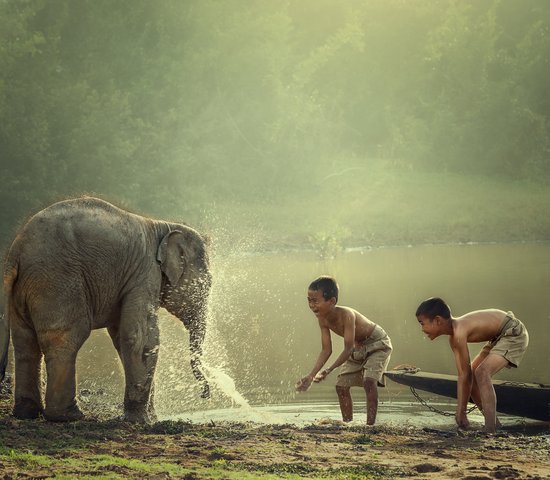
(84, 264)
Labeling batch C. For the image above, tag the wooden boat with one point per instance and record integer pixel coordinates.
(530, 400)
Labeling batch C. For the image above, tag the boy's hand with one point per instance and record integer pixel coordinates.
(462, 420)
(304, 383)
(322, 375)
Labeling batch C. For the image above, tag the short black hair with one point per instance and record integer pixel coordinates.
(326, 285)
(432, 307)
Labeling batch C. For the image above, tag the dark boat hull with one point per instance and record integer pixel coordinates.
(530, 400)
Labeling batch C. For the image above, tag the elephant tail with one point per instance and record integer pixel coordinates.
(4, 344)
(10, 276)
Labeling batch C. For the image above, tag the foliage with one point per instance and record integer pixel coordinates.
(177, 107)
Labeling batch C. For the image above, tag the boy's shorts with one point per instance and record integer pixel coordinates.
(368, 361)
(511, 342)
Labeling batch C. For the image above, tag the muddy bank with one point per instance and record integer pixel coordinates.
(107, 448)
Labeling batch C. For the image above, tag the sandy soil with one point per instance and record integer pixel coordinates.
(103, 448)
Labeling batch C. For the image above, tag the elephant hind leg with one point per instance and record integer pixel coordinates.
(28, 362)
(60, 350)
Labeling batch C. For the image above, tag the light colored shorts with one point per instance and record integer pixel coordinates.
(368, 361)
(511, 342)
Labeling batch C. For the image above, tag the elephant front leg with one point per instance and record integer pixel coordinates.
(139, 344)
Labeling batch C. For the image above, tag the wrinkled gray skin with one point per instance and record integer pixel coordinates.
(84, 264)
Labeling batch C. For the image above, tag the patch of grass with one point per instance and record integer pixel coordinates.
(367, 472)
(138, 466)
(113, 467)
(304, 470)
(366, 440)
(170, 427)
(279, 469)
(109, 466)
(227, 434)
(25, 459)
(219, 453)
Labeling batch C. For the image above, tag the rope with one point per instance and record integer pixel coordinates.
(408, 368)
(434, 409)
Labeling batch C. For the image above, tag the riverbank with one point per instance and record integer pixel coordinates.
(104, 448)
(376, 205)
(383, 206)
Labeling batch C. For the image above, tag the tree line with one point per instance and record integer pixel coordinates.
(241, 100)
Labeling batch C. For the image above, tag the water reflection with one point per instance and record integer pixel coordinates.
(390, 413)
(263, 336)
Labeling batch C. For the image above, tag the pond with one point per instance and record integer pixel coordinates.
(263, 338)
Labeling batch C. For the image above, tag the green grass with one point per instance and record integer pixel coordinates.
(25, 459)
(113, 467)
(109, 466)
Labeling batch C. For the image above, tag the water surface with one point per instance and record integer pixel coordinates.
(263, 336)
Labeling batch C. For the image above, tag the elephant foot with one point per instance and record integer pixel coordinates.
(26, 409)
(143, 416)
(70, 415)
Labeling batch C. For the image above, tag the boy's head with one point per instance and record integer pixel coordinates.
(433, 314)
(432, 308)
(326, 285)
(322, 295)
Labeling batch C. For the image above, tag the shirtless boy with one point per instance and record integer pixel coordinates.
(367, 349)
(506, 338)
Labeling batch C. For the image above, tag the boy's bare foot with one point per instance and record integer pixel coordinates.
(464, 428)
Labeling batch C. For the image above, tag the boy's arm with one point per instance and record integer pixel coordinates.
(459, 345)
(326, 351)
(349, 343)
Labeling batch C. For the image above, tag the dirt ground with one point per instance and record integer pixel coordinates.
(106, 448)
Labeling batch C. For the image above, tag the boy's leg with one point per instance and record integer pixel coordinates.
(373, 374)
(350, 376)
(346, 403)
(492, 364)
(372, 399)
(476, 397)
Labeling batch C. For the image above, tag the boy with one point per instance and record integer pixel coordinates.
(366, 353)
(506, 337)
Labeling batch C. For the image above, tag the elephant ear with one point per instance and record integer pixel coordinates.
(171, 255)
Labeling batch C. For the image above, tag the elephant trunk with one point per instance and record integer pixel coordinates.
(196, 338)
(194, 315)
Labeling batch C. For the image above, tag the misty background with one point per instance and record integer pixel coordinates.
(289, 131)
(313, 123)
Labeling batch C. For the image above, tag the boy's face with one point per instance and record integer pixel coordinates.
(431, 328)
(317, 303)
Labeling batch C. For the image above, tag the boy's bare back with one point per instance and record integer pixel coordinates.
(479, 325)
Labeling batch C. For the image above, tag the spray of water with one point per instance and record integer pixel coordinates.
(226, 384)
(177, 391)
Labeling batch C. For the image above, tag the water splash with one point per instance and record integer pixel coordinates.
(216, 376)
(233, 320)
(226, 384)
